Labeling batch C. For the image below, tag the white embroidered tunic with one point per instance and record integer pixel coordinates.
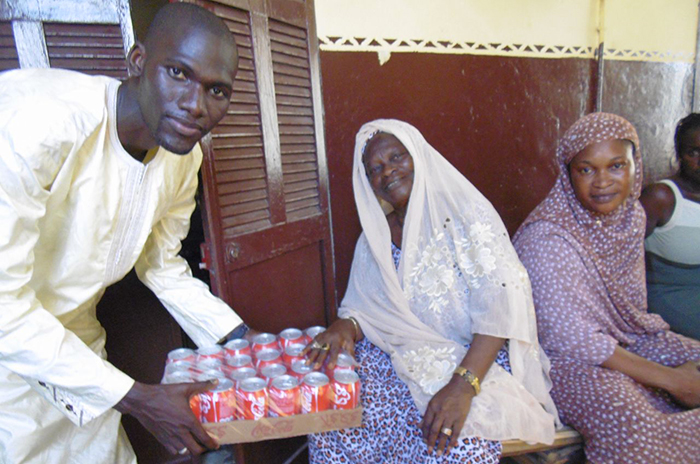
(77, 212)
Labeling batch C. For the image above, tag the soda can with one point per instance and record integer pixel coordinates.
(272, 371)
(238, 346)
(219, 403)
(345, 362)
(179, 366)
(177, 377)
(345, 390)
(311, 332)
(265, 341)
(241, 374)
(239, 360)
(210, 374)
(314, 393)
(212, 351)
(181, 354)
(209, 363)
(284, 396)
(267, 357)
(252, 399)
(292, 353)
(291, 337)
(300, 369)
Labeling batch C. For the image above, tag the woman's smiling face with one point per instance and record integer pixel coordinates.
(602, 175)
(389, 169)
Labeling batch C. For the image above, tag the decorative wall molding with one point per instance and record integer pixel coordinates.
(380, 45)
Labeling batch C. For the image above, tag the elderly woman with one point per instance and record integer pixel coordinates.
(439, 314)
(620, 377)
(673, 236)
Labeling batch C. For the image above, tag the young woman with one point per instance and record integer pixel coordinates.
(620, 377)
(673, 236)
(435, 291)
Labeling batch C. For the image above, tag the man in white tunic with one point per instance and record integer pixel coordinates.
(96, 177)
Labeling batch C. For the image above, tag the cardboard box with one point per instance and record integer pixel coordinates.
(270, 428)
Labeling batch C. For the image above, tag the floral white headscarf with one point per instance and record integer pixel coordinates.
(458, 276)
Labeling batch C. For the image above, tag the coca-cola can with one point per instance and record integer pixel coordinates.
(181, 354)
(241, 374)
(265, 341)
(345, 390)
(272, 371)
(345, 362)
(311, 332)
(252, 398)
(291, 336)
(219, 403)
(238, 346)
(179, 366)
(209, 363)
(212, 351)
(239, 360)
(177, 377)
(314, 393)
(267, 357)
(292, 353)
(300, 369)
(284, 396)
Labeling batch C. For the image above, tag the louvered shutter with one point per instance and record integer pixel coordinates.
(8, 49)
(88, 48)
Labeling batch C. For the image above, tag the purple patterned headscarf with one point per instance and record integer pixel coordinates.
(611, 245)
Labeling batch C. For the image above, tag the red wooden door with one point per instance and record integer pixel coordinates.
(267, 218)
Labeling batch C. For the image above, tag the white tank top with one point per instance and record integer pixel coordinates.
(679, 239)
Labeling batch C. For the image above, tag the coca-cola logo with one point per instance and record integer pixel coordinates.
(342, 397)
(266, 429)
(257, 407)
(205, 403)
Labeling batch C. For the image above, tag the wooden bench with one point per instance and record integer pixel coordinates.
(565, 437)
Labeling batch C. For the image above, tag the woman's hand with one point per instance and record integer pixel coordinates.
(447, 409)
(685, 387)
(338, 337)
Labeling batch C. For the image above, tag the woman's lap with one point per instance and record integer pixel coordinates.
(390, 431)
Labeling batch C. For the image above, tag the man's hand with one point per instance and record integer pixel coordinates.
(165, 412)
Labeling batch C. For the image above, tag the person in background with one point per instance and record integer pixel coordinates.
(96, 177)
(620, 377)
(438, 312)
(672, 240)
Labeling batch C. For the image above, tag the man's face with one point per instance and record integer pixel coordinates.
(185, 87)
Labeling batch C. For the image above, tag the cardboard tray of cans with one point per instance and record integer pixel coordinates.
(270, 428)
(266, 390)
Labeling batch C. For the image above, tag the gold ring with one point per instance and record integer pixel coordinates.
(325, 347)
(446, 431)
(183, 451)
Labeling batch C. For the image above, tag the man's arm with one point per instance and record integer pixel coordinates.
(658, 202)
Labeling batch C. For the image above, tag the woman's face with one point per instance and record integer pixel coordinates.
(602, 175)
(389, 168)
(689, 155)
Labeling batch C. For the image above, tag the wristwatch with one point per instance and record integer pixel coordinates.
(467, 375)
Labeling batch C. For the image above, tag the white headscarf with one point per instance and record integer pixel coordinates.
(458, 276)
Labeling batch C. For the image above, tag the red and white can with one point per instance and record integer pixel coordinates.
(177, 377)
(238, 346)
(265, 341)
(181, 354)
(209, 363)
(272, 371)
(345, 390)
(293, 353)
(267, 357)
(213, 351)
(345, 362)
(252, 399)
(179, 366)
(300, 369)
(284, 396)
(314, 393)
(239, 360)
(241, 374)
(219, 403)
(291, 337)
(210, 374)
(311, 332)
